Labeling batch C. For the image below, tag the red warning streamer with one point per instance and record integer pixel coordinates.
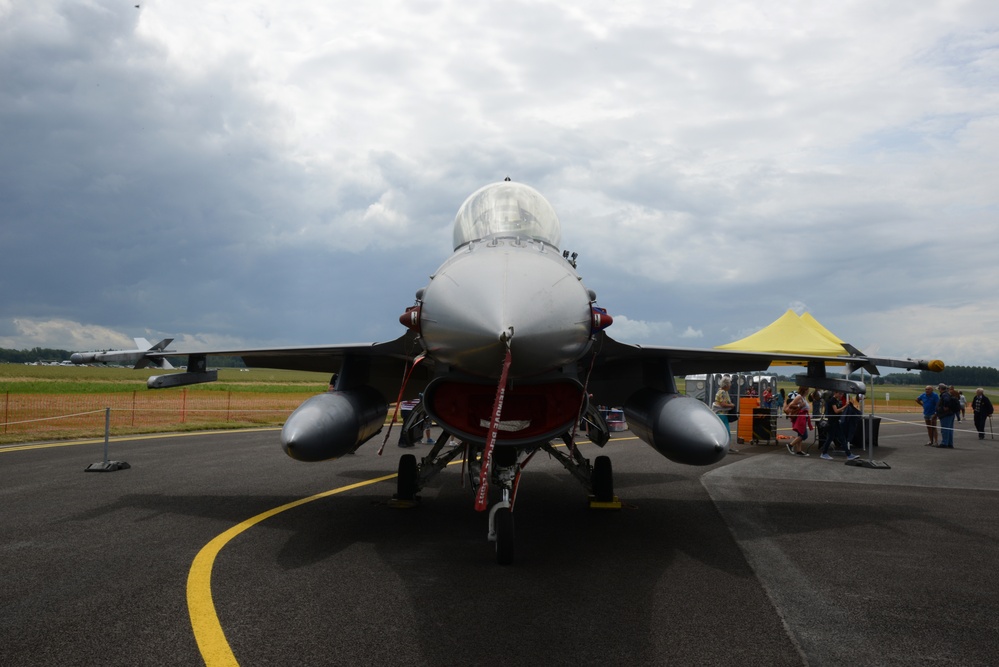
(402, 388)
(482, 499)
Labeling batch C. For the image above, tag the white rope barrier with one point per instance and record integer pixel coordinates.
(228, 411)
(44, 419)
(921, 423)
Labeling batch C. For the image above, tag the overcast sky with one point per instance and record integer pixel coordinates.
(264, 173)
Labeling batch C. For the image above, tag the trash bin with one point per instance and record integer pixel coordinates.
(747, 418)
(859, 434)
(763, 425)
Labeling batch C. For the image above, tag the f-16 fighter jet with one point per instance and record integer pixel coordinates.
(509, 351)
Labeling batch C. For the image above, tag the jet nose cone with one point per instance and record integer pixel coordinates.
(479, 296)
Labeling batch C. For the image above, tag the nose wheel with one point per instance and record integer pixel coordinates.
(501, 532)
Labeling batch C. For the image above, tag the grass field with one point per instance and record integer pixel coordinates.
(21, 379)
(39, 403)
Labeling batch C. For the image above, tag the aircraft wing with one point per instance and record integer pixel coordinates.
(379, 365)
(620, 367)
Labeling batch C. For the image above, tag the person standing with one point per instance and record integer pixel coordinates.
(851, 418)
(723, 405)
(835, 406)
(963, 402)
(947, 409)
(405, 409)
(981, 408)
(929, 402)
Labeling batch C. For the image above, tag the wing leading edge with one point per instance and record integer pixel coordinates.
(378, 365)
(620, 367)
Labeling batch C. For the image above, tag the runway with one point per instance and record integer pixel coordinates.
(763, 559)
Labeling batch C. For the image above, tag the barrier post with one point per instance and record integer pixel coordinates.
(105, 465)
(867, 423)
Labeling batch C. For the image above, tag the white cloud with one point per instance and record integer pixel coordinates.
(63, 335)
(287, 172)
(628, 330)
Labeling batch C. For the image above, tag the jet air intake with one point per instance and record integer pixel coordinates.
(681, 428)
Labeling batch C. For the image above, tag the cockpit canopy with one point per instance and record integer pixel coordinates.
(506, 209)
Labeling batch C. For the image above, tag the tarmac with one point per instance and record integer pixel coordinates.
(217, 547)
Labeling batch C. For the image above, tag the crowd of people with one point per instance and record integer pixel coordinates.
(839, 412)
(941, 410)
(840, 415)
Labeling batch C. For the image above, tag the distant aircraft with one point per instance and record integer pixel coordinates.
(142, 357)
(508, 350)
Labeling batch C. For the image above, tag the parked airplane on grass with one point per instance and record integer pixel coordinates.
(140, 356)
(508, 349)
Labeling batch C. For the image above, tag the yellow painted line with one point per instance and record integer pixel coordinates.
(120, 439)
(208, 633)
(214, 647)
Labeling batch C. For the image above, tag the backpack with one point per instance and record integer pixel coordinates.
(945, 406)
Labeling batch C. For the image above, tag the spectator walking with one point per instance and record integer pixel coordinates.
(798, 410)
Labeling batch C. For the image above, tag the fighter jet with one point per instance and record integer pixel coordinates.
(141, 356)
(509, 352)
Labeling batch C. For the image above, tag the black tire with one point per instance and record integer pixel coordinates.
(603, 480)
(503, 524)
(406, 482)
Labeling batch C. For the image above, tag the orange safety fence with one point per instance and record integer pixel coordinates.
(52, 416)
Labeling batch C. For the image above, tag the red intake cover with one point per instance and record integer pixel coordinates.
(547, 409)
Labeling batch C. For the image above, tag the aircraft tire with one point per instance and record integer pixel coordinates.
(603, 480)
(504, 535)
(406, 481)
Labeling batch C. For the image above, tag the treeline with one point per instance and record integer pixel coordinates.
(34, 355)
(958, 376)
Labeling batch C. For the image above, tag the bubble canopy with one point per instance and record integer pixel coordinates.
(506, 209)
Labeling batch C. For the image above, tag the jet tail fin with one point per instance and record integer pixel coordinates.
(145, 362)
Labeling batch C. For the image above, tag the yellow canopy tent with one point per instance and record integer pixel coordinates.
(814, 323)
(791, 334)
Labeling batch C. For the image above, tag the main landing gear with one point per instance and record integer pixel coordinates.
(413, 474)
(602, 480)
(507, 464)
(408, 480)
